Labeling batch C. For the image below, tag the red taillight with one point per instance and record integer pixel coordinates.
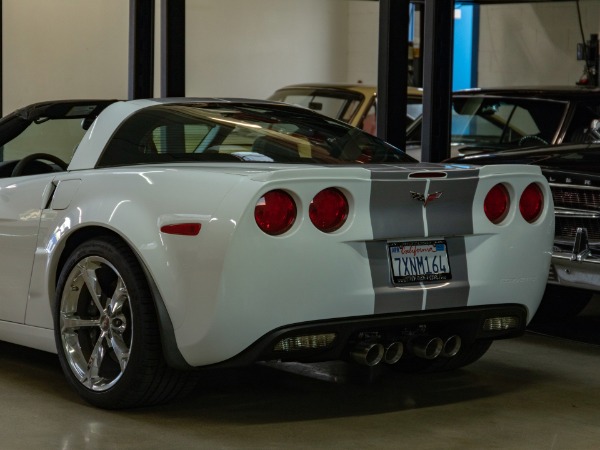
(531, 203)
(275, 212)
(496, 203)
(328, 211)
(182, 229)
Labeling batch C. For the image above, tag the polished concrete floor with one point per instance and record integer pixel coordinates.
(534, 392)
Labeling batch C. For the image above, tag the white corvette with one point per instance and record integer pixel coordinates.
(144, 239)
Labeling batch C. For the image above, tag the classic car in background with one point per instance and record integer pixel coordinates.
(190, 233)
(516, 117)
(573, 172)
(352, 103)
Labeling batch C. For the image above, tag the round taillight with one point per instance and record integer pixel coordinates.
(531, 203)
(328, 210)
(496, 203)
(275, 212)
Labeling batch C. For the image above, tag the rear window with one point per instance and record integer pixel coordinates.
(241, 132)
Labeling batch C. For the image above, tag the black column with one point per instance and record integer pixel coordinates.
(141, 49)
(437, 79)
(392, 71)
(1, 66)
(418, 61)
(173, 48)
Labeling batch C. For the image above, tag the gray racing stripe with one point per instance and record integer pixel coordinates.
(396, 215)
(452, 213)
(456, 293)
(387, 297)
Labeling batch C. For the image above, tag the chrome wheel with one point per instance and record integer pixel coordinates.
(107, 332)
(96, 323)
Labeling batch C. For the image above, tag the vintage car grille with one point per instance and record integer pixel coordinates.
(581, 198)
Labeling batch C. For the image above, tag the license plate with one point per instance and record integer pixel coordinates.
(419, 261)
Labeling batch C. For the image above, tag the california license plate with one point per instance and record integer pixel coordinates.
(419, 261)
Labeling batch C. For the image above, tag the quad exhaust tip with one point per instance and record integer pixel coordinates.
(427, 347)
(368, 353)
(393, 352)
(451, 346)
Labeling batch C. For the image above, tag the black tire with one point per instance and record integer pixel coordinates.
(110, 348)
(468, 354)
(561, 302)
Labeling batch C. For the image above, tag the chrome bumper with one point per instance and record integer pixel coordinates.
(579, 267)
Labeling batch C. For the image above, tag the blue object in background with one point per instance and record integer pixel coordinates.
(466, 46)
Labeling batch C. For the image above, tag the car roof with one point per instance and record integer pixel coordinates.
(78, 108)
(367, 89)
(550, 92)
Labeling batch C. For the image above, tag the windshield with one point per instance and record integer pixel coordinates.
(56, 137)
(250, 132)
(502, 122)
(484, 120)
(337, 104)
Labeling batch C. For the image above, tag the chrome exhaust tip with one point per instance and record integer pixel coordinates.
(368, 353)
(393, 352)
(427, 347)
(451, 346)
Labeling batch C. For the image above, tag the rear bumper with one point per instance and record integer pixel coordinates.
(577, 267)
(470, 323)
(581, 273)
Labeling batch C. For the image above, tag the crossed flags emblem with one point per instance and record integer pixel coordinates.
(425, 200)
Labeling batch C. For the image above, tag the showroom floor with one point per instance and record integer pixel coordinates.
(534, 392)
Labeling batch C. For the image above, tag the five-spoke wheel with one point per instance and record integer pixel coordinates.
(96, 323)
(107, 332)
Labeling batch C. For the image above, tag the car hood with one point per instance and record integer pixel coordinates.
(571, 158)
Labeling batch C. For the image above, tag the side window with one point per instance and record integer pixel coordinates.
(369, 123)
(579, 128)
(55, 137)
(522, 124)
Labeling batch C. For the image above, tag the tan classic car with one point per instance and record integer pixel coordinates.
(351, 103)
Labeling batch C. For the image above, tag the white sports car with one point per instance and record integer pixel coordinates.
(144, 239)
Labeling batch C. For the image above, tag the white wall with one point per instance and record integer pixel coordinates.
(533, 44)
(247, 48)
(64, 49)
(363, 42)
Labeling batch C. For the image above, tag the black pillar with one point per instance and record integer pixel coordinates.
(1, 66)
(392, 74)
(141, 49)
(173, 48)
(418, 59)
(437, 79)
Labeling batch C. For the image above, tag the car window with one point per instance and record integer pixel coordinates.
(194, 135)
(369, 123)
(581, 121)
(340, 105)
(241, 132)
(414, 109)
(505, 121)
(55, 137)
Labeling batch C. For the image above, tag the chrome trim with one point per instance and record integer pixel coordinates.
(579, 268)
(574, 186)
(581, 248)
(573, 213)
